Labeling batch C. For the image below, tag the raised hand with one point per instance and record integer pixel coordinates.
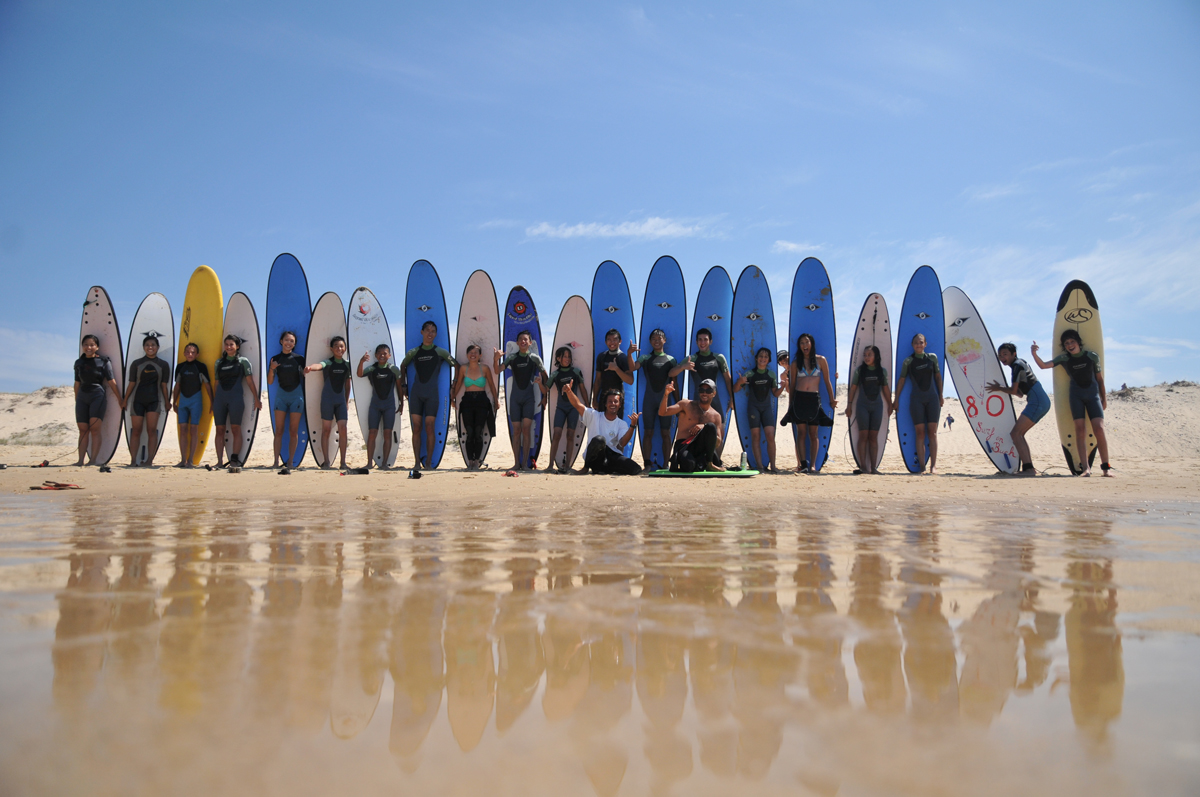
(633, 418)
(669, 389)
(366, 356)
(688, 365)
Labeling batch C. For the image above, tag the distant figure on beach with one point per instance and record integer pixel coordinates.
(288, 368)
(149, 377)
(612, 371)
(423, 399)
(700, 432)
(93, 374)
(335, 396)
(707, 364)
(192, 383)
(524, 403)
(565, 416)
(476, 410)
(1087, 396)
(607, 436)
(870, 401)
(763, 383)
(806, 373)
(229, 399)
(949, 421)
(926, 400)
(386, 379)
(659, 369)
(1037, 403)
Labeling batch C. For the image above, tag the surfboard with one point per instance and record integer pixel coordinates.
(874, 328)
(714, 308)
(752, 328)
(241, 320)
(100, 319)
(367, 328)
(574, 331)
(520, 315)
(478, 325)
(728, 474)
(812, 312)
(424, 301)
(153, 317)
(665, 308)
(289, 309)
(972, 362)
(328, 321)
(922, 313)
(612, 308)
(1077, 309)
(200, 322)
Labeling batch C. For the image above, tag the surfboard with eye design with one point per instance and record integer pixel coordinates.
(289, 309)
(922, 313)
(873, 329)
(152, 319)
(714, 311)
(753, 328)
(665, 308)
(520, 315)
(424, 300)
(812, 312)
(612, 308)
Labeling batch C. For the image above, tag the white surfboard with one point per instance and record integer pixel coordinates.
(241, 320)
(153, 317)
(972, 362)
(874, 328)
(100, 320)
(367, 326)
(478, 325)
(328, 322)
(574, 331)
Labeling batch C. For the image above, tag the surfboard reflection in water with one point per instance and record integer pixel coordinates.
(208, 645)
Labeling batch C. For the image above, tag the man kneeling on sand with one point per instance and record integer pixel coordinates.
(700, 431)
(607, 435)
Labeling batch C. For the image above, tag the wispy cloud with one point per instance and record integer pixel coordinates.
(982, 193)
(651, 228)
(795, 248)
(499, 224)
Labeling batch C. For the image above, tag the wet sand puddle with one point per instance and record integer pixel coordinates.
(211, 646)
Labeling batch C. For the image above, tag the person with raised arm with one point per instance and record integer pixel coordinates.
(1037, 403)
(607, 435)
(1087, 395)
(612, 370)
(386, 379)
(700, 431)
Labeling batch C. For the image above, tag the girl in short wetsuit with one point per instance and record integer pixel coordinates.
(658, 368)
(191, 385)
(565, 415)
(385, 379)
(1037, 403)
(528, 377)
(806, 373)
(925, 402)
(229, 400)
(476, 409)
(335, 396)
(763, 383)
(1087, 395)
(149, 386)
(288, 406)
(870, 402)
(93, 374)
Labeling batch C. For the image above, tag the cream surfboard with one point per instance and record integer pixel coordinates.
(242, 322)
(368, 329)
(1077, 310)
(152, 319)
(100, 320)
(574, 331)
(200, 323)
(328, 322)
(478, 325)
(874, 328)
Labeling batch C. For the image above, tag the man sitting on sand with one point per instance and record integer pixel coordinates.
(607, 435)
(700, 431)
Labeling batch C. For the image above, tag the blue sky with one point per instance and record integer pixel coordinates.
(1010, 146)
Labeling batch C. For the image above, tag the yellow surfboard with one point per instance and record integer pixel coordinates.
(201, 323)
(1076, 310)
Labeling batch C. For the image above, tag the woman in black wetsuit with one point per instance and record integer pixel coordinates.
(93, 374)
(565, 415)
(149, 381)
(229, 399)
(1087, 396)
(870, 401)
(335, 396)
(763, 383)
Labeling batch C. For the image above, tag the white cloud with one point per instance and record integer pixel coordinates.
(651, 228)
(499, 224)
(795, 248)
(982, 193)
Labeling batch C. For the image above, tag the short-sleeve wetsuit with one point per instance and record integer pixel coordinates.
(868, 405)
(383, 394)
(289, 372)
(336, 373)
(1037, 403)
(423, 398)
(710, 365)
(1084, 393)
(609, 380)
(760, 410)
(523, 397)
(924, 406)
(190, 376)
(655, 370)
(149, 374)
(229, 399)
(93, 375)
(564, 413)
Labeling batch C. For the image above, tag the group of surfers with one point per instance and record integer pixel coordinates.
(699, 436)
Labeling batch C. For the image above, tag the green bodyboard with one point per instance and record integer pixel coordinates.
(728, 474)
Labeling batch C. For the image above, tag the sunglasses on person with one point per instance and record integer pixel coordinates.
(707, 390)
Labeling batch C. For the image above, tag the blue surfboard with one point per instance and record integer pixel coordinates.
(714, 308)
(424, 301)
(665, 308)
(922, 312)
(752, 328)
(289, 309)
(612, 308)
(812, 312)
(520, 315)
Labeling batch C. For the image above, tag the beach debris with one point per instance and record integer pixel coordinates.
(49, 485)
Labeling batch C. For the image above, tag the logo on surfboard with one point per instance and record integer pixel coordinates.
(611, 309)
(958, 322)
(755, 316)
(813, 306)
(714, 317)
(1078, 315)
(519, 308)
(923, 315)
(664, 305)
(424, 308)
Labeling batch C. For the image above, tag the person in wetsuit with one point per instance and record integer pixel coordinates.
(707, 364)
(1037, 403)
(229, 399)
(192, 383)
(607, 435)
(93, 378)
(700, 431)
(288, 406)
(870, 402)
(565, 415)
(613, 371)
(335, 397)
(762, 382)
(386, 379)
(806, 373)
(150, 387)
(1087, 395)
(423, 399)
(477, 407)
(925, 402)
(525, 398)
(658, 369)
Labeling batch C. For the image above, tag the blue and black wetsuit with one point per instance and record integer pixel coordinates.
(423, 398)
(523, 397)
(289, 371)
(191, 377)
(1037, 403)
(924, 405)
(333, 393)
(564, 413)
(1084, 394)
(760, 412)
(229, 400)
(383, 394)
(656, 371)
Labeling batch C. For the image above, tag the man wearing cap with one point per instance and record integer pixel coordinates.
(700, 431)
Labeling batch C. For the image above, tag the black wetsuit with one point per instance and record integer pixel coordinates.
(608, 379)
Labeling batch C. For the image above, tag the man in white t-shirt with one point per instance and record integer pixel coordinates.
(607, 435)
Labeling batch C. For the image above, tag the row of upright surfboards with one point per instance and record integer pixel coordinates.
(741, 320)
